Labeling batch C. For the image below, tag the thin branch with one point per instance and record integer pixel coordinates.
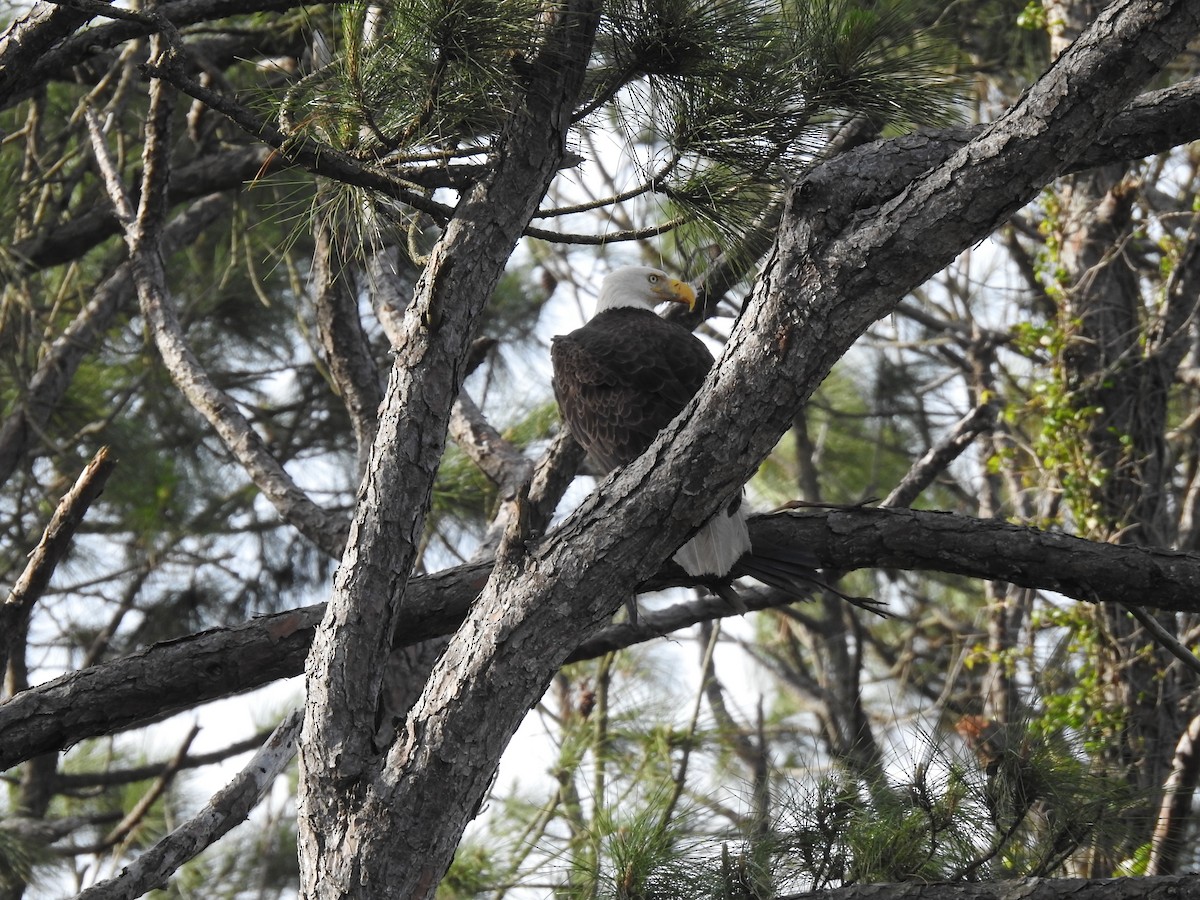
(63, 240)
(326, 530)
(648, 186)
(552, 476)
(938, 457)
(123, 829)
(228, 807)
(53, 546)
(1161, 636)
(505, 465)
(68, 782)
(1175, 811)
(599, 240)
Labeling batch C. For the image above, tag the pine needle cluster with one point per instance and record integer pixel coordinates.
(716, 103)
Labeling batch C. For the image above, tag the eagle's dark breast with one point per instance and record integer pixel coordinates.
(622, 377)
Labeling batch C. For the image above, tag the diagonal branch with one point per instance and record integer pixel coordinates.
(143, 234)
(504, 464)
(339, 763)
(53, 546)
(841, 261)
(229, 807)
(939, 456)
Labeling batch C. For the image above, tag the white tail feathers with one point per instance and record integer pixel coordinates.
(720, 543)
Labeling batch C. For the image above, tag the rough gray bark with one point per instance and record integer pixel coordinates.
(837, 267)
(348, 845)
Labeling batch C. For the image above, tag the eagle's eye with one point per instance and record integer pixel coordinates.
(654, 279)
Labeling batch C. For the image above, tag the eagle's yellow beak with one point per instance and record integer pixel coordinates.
(676, 291)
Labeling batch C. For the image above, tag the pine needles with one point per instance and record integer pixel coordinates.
(736, 95)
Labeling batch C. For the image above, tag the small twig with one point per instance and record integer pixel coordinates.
(51, 549)
(1169, 642)
(228, 807)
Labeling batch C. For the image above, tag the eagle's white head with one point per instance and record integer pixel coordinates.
(642, 287)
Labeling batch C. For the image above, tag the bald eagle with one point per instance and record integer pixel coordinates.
(621, 378)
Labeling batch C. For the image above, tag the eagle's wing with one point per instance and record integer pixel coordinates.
(622, 377)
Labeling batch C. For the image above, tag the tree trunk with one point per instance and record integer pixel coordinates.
(848, 250)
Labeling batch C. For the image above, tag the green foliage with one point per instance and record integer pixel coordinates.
(462, 493)
(431, 72)
(844, 423)
(1075, 699)
(640, 855)
(1059, 411)
(732, 98)
(716, 102)
(1033, 17)
(1019, 809)
(20, 858)
(473, 872)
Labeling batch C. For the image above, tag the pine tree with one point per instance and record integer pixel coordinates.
(335, 230)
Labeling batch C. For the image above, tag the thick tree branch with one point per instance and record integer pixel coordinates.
(340, 767)
(842, 260)
(27, 39)
(506, 466)
(1167, 888)
(177, 675)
